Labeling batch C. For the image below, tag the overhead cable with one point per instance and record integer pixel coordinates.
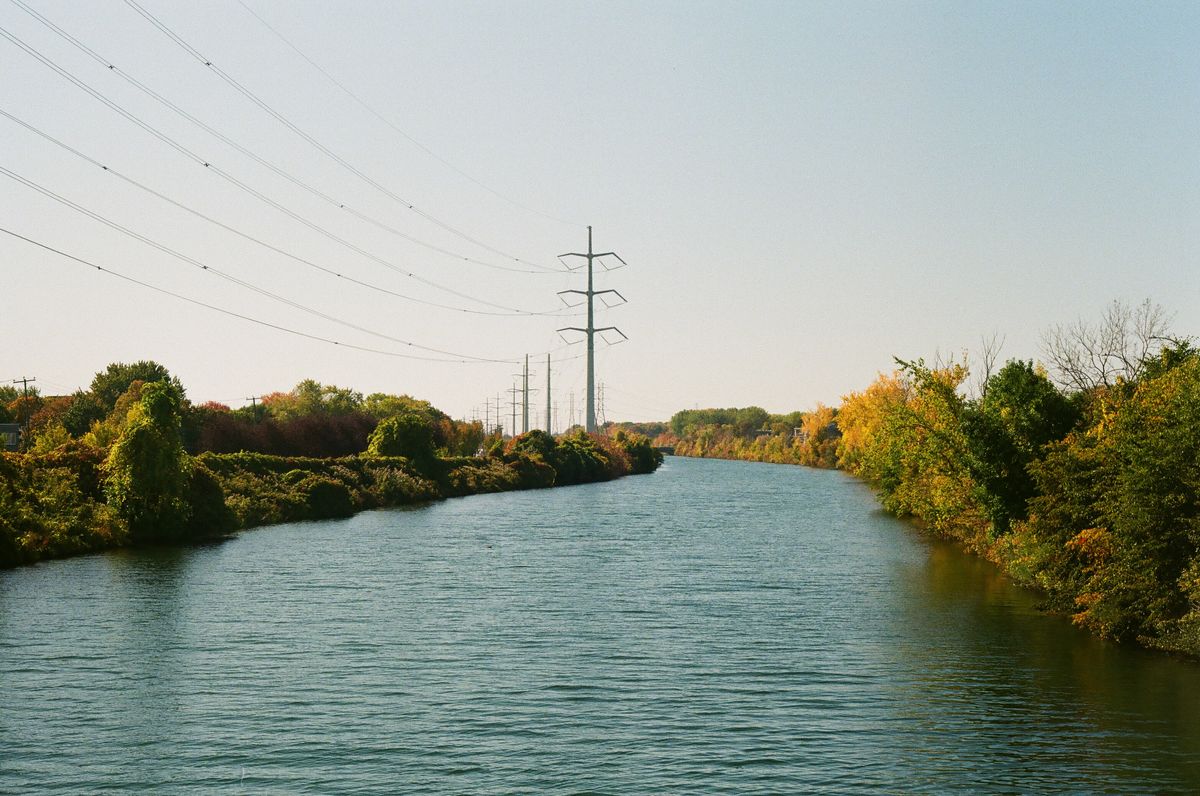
(252, 191)
(371, 110)
(302, 184)
(244, 235)
(232, 313)
(224, 275)
(345, 164)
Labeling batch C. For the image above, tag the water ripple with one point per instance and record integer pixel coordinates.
(717, 628)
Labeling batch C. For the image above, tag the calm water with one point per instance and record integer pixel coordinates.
(717, 627)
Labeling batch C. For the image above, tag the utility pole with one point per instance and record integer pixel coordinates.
(24, 382)
(571, 412)
(591, 329)
(525, 398)
(513, 403)
(549, 427)
(487, 412)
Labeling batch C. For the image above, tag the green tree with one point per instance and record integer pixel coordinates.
(147, 472)
(84, 410)
(111, 383)
(407, 434)
(1021, 412)
(8, 394)
(1147, 548)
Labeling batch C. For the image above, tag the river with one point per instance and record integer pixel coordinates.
(717, 627)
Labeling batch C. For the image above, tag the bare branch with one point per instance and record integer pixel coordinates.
(1084, 356)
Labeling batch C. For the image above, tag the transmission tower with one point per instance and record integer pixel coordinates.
(549, 427)
(591, 329)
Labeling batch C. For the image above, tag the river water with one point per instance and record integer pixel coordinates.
(717, 627)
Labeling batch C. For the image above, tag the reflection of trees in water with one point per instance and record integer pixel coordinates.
(152, 655)
(979, 648)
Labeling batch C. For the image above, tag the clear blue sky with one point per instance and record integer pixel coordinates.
(801, 190)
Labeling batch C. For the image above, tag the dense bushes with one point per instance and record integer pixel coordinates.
(219, 430)
(1094, 498)
(53, 506)
(114, 465)
(261, 489)
(582, 458)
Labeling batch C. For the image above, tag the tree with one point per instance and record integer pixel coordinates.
(85, 409)
(1008, 429)
(8, 394)
(111, 383)
(1085, 356)
(147, 472)
(408, 434)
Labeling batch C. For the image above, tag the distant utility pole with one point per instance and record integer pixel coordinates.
(525, 398)
(499, 422)
(487, 412)
(24, 382)
(571, 412)
(549, 428)
(591, 329)
(513, 403)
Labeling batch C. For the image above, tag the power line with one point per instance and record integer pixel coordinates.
(232, 313)
(250, 190)
(221, 274)
(399, 131)
(264, 106)
(240, 233)
(110, 66)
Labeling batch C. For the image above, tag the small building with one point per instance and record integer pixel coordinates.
(10, 436)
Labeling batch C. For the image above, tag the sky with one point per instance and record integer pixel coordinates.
(801, 191)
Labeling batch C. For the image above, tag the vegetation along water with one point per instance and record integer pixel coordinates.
(131, 461)
(1085, 487)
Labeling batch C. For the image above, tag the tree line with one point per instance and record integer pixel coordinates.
(1080, 477)
(131, 461)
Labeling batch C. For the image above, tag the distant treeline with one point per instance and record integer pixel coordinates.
(1086, 486)
(131, 461)
(753, 434)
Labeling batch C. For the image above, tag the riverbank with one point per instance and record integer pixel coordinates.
(56, 504)
(1090, 497)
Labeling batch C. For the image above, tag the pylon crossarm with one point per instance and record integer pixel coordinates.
(564, 338)
(605, 301)
(569, 304)
(604, 329)
(605, 264)
(570, 267)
